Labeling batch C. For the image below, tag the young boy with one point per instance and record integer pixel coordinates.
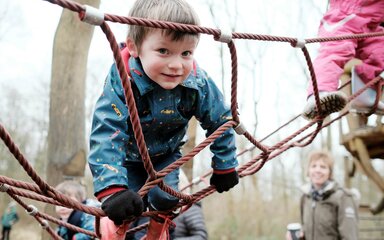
(80, 219)
(169, 88)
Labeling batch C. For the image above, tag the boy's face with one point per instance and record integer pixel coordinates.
(166, 62)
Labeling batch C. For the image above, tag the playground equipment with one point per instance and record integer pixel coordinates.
(364, 142)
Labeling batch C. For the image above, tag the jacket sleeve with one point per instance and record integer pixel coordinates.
(193, 222)
(212, 112)
(15, 218)
(348, 217)
(109, 136)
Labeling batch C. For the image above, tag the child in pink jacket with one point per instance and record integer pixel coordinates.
(346, 17)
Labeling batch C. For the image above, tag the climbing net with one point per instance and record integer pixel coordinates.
(41, 191)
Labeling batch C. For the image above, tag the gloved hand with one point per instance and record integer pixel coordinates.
(224, 180)
(122, 205)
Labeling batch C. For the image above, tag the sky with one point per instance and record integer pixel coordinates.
(271, 74)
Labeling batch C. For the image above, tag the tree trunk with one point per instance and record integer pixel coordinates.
(66, 134)
(189, 145)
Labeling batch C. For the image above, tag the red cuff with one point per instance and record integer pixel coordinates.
(109, 191)
(223, 171)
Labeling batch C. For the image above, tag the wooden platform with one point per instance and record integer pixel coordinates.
(373, 138)
(364, 143)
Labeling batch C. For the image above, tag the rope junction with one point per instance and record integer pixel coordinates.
(41, 191)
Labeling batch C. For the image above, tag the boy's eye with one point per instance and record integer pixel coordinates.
(186, 53)
(162, 51)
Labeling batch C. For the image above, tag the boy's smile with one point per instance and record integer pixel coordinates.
(167, 62)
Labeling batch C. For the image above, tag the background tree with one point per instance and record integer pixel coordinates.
(66, 135)
(188, 146)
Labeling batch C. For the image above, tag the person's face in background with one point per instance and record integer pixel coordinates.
(318, 172)
(65, 212)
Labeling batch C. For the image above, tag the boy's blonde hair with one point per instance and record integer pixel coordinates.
(178, 11)
(73, 189)
(323, 155)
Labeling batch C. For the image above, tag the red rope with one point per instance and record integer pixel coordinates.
(43, 192)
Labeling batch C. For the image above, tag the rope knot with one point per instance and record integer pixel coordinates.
(32, 210)
(4, 187)
(300, 43)
(265, 155)
(240, 129)
(225, 36)
(92, 15)
(44, 224)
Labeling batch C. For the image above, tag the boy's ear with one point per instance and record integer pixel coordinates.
(132, 49)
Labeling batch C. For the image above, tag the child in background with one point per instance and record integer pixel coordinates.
(169, 89)
(8, 219)
(343, 18)
(190, 225)
(80, 219)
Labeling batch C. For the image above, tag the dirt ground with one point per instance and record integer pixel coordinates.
(26, 231)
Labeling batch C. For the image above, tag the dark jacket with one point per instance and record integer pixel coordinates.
(191, 224)
(332, 216)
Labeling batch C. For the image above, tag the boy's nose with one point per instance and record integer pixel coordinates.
(174, 64)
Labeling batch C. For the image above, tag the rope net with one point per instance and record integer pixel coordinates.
(41, 191)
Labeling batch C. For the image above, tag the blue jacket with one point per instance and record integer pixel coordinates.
(164, 116)
(79, 219)
(9, 217)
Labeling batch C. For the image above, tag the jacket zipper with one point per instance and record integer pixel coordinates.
(313, 218)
